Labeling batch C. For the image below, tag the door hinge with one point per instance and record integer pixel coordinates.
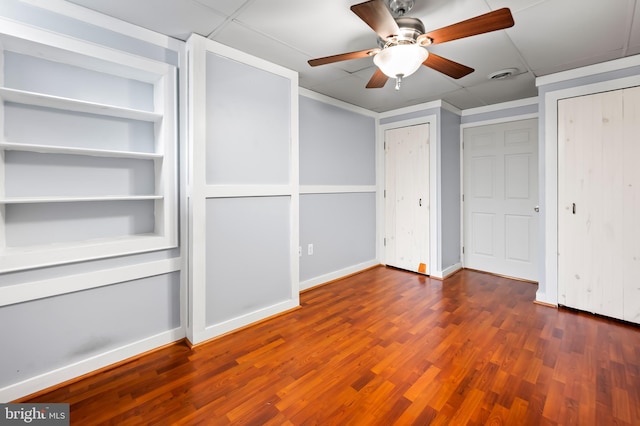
(463, 198)
(384, 242)
(384, 194)
(462, 249)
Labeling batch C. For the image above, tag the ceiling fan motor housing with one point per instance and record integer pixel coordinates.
(410, 29)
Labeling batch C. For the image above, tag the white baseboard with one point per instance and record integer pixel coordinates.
(451, 270)
(77, 369)
(322, 279)
(541, 298)
(216, 330)
(446, 271)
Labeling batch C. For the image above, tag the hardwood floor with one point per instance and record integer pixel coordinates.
(386, 347)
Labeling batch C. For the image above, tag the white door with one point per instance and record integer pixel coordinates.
(407, 198)
(599, 203)
(500, 198)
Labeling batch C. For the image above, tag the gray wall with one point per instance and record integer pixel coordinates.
(337, 148)
(248, 255)
(41, 335)
(450, 198)
(342, 229)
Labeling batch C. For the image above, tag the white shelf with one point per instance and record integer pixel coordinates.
(35, 200)
(68, 104)
(53, 149)
(19, 258)
(105, 81)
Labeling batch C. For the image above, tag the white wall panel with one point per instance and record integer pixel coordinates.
(243, 189)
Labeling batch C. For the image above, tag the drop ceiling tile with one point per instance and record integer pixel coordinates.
(582, 62)
(247, 40)
(224, 7)
(169, 17)
(496, 91)
(552, 34)
(514, 5)
(462, 99)
(634, 34)
(317, 28)
(436, 14)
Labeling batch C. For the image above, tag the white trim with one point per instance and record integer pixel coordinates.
(92, 17)
(603, 67)
(336, 189)
(550, 207)
(337, 103)
(182, 176)
(22, 258)
(34, 290)
(196, 116)
(294, 179)
(420, 107)
(434, 184)
(226, 191)
(335, 275)
(230, 53)
(500, 107)
(22, 38)
(380, 184)
(448, 271)
(500, 120)
(77, 369)
(215, 330)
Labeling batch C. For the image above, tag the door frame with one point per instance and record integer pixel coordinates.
(548, 289)
(434, 267)
(488, 123)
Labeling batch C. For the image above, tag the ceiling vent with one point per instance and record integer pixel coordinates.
(502, 74)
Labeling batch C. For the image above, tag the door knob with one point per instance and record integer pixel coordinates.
(536, 208)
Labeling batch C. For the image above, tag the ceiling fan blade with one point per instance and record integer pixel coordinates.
(378, 80)
(447, 66)
(376, 14)
(492, 21)
(343, 57)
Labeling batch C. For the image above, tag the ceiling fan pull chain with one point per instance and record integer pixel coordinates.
(398, 81)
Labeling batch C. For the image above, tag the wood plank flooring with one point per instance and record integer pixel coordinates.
(385, 347)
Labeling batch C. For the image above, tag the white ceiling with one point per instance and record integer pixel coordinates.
(548, 36)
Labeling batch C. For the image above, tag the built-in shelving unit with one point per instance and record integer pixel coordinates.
(87, 151)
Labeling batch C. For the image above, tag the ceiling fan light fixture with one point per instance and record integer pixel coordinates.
(400, 60)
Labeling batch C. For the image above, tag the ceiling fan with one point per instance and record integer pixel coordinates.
(402, 40)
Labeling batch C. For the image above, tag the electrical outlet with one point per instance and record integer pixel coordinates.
(310, 249)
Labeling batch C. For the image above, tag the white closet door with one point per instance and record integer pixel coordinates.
(500, 198)
(631, 202)
(407, 198)
(599, 203)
